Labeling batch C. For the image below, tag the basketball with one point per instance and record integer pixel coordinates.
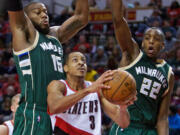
(123, 87)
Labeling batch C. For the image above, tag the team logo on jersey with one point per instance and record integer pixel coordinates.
(152, 73)
(49, 46)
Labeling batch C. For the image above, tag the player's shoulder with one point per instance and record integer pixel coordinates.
(56, 84)
(54, 31)
(3, 130)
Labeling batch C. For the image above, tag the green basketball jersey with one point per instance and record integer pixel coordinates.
(37, 66)
(151, 84)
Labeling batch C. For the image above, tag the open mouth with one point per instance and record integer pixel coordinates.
(45, 22)
(151, 50)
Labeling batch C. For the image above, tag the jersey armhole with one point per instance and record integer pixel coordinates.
(30, 47)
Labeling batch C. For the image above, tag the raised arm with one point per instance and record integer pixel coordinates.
(22, 29)
(162, 121)
(75, 23)
(128, 46)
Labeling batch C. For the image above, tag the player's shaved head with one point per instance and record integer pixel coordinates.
(27, 7)
(157, 31)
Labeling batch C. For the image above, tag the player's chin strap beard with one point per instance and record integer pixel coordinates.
(44, 31)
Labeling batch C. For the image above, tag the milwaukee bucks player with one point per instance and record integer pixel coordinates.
(39, 56)
(154, 78)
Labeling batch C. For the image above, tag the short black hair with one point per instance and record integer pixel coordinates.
(159, 30)
(66, 58)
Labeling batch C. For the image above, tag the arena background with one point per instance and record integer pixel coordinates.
(98, 43)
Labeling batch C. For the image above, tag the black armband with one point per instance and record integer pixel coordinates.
(14, 5)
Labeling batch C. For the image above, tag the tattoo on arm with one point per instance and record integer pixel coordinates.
(74, 25)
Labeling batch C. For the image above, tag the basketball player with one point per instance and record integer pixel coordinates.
(154, 78)
(39, 56)
(76, 103)
(7, 127)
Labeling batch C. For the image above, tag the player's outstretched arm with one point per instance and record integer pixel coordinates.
(75, 23)
(59, 103)
(162, 121)
(20, 24)
(118, 113)
(3, 130)
(123, 35)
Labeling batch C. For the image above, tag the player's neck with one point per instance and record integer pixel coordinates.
(75, 83)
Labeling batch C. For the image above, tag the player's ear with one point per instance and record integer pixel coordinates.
(162, 46)
(65, 68)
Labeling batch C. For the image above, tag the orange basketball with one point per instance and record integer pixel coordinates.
(123, 87)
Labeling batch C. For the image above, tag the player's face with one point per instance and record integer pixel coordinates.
(39, 17)
(152, 43)
(76, 65)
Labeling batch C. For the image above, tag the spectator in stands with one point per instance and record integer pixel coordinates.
(175, 63)
(91, 74)
(175, 99)
(83, 42)
(82, 49)
(99, 60)
(112, 63)
(111, 43)
(136, 4)
(7, 54)
(92, 5)
(11, 87)
(167, 27)
(174, 121)
(11, 69)
(5, 33)
(155, 19)
(174, 12)
(94, 45)
(8, 126)
(5, 109)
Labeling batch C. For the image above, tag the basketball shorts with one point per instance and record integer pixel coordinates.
(32, 120)
(116, 130)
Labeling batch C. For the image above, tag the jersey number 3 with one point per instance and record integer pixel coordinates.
(150, 88)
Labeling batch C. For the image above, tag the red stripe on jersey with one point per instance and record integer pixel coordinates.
(66, 127)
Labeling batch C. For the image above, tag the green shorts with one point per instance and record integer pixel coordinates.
(32, 120)
(116, 130)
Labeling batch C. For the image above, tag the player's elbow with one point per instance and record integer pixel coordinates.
(124, 124)
(84, 20)
(162, 121)
(53, 109)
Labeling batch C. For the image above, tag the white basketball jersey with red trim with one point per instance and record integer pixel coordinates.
(10, 126)
(83, 118)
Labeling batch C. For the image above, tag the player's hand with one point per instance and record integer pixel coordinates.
(98, 85)
(129, 102)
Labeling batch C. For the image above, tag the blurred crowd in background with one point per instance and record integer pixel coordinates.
(98, 43)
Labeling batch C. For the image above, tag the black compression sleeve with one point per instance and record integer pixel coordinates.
(14, 5)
